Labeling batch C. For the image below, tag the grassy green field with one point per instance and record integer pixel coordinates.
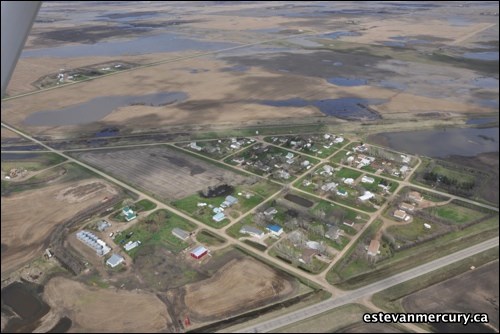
(453, 174)
(34, 161)
(347, 173)
(157, 229)
(339, 156)
(209, 239)
(145, 205)
(373, 187)
(455, 213)
(413, 231)
(259, 192)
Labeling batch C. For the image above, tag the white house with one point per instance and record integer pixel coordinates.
(367, 179)
(366, 196)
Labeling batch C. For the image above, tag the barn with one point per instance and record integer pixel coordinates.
(199, 252)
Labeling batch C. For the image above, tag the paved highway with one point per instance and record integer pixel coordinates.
(352, 296)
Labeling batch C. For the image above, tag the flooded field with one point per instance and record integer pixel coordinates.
(345, 108)
(22, 299)
(165, 42)
(99, 108)
(441, 143)
(488, 55)
(339, 81)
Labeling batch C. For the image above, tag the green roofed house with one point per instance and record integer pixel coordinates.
(129, 214)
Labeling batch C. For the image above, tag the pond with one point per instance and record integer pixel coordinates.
(441, 143)
(348, 82)
(98, 108)
(346, 107)
(487, 55)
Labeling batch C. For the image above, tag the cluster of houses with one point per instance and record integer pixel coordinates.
(221, 146)
(359, 159)
(279, 164)
(404, 210)
(272, 230)
(218, 211)
(310, 143)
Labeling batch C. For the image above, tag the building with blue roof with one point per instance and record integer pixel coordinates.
(275, 229)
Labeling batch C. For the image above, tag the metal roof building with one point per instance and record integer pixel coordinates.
(115, 260)
(180, 233)
(199, 252)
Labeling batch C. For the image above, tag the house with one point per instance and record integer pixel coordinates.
(270, 211)
(333, 233)
(254, 232)
(289, 155)
(194, 146)
(373, 248)
(131, 245)
(180, 233)
(199, 252)
(230, 200)
(342, 192)
(305, 163)
(290, 161)
(406, 207)
(404, 169)
(275, 230)
(415, 195)
(115, 260)
(283, 174)
(326, 136)
(129, 214)
(307, 255)
(102, 225)
(328, 169)
(367, 179)
(239, 160)
(329, 186)
(400, 214)
(361, 148)
(219, 217)
(366, 196)
(405, 159)
(338, 140)
(349, 181)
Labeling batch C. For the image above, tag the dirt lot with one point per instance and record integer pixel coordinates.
(161, 170)
(240, 285)
(28, 217)
(472, 292)
(106, 310)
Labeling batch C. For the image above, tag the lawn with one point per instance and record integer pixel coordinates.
(373, 187)
(347, 173)
(337, 158)
(455, 213)
(144, 205)
(453, 174)
(157, 229)
(34, 161)
(257, 193)
(209, 239)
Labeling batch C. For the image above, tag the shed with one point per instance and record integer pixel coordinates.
(270, 211)
(115, 260)
(180, 233)
(199, 252)
(219, 217)
(102, 225)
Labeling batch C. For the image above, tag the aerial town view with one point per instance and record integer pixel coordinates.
(253, 166)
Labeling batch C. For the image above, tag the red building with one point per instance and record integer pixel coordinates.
(199, 252)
